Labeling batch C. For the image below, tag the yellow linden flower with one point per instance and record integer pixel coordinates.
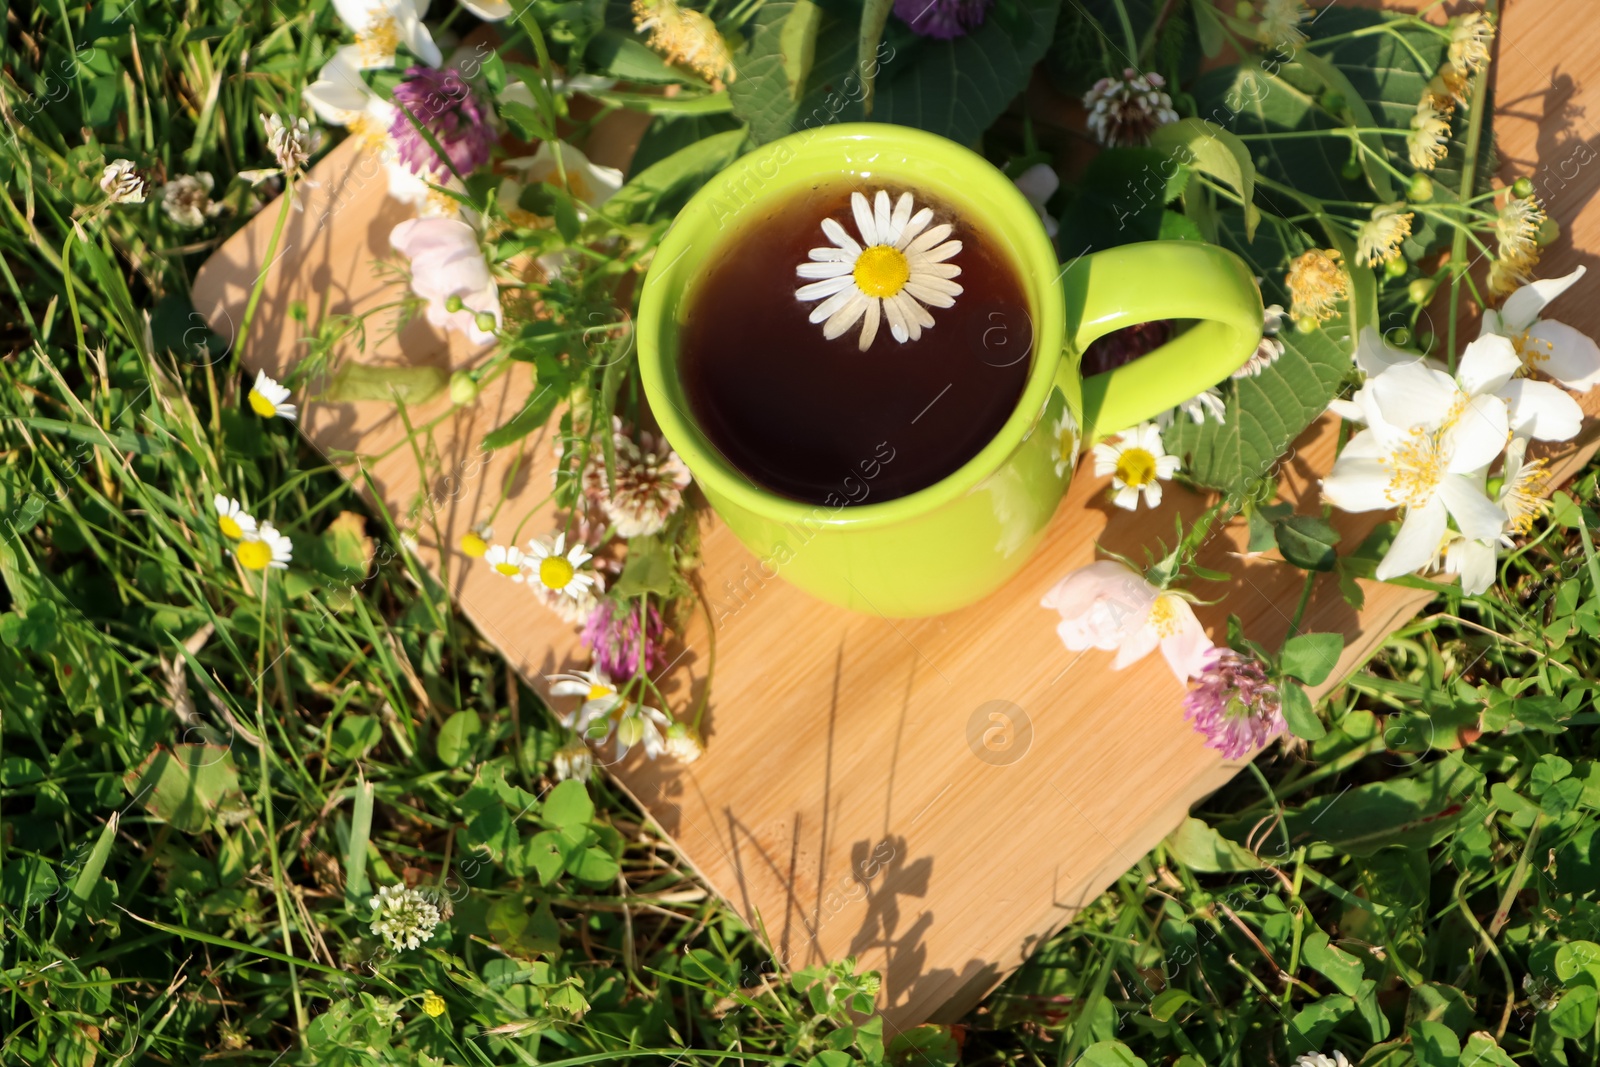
(1470, 38)
(234, 522)
(474, 545)
(1380, 237)
(432, 1004)
(686, 37)
(1316, 282)
(1429, 136)
(267, 398)
(1517, 229)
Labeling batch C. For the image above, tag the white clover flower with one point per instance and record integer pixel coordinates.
(122, 183)
(1127, 110)
(405, 917)
(290, 142)
(187, 200)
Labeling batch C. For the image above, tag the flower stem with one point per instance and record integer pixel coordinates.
(286, 203)
(1305, 599)
(1469, 175)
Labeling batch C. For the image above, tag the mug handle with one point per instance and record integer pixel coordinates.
(1147, 282)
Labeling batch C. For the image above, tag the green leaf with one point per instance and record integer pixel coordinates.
(649, 570)
(1311, 1025)
(33, 629)
(1201, 848)
(1334, 80)
(593, 866)
(1337, 965)
(1435, 1044)
(1307, 542)
(874, 15)
(544, 852)
(187, 785)
(1311, 657)
(1482, 1051)
(458, 737)
(534, 414)
(355, 854)
(404, 385)
(1166, 1004)
(661, 188)
(355, 736)
(1415, 812)
(797, 44)
(568, 804)
(929, 1044)
(625, 57)
(1578, 963)
(521, 931)
(1122, 199)
(1299, 713)
(1573, 1015)
(1109, 1054)
(774, 105)
(1214, 150)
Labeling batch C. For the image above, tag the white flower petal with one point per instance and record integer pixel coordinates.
(1522, 307)
(1357, 484)
(929, 295)
(882, 215)
(1411, 394)
(823, 270)
(834, 255)
(825, 310)
(897, 319)
(943, 252)
(929, 238)
(898, 220)
(839, 236)
(1374, 355)
(1417, 542)
(1487, 364)
(864, 221)
(1541, 410)
(869, 327)
(1477, 436)
(846, 316)
(918, 223)
(1476, 515)
(1475, 561)
(826, 287)
(1571, 358)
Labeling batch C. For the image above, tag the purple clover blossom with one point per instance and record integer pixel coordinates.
(1234, 705)
(612, 635)
(444, 104)
(943, 19)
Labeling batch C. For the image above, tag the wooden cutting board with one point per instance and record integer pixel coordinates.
(855, 797)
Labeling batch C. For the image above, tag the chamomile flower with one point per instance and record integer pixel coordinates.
(1380, 237)
(1203, 405)
(267, 398)
(682, 744)
(473, 546)
(599, 693)
(558, 568)
(1137, 461)
(263, 548)
(897, 267)
(235, 523)
(1470, 38)
(1428, 141)
(1316, 281)
(640, 724)
(1068, 438)
(507, 560)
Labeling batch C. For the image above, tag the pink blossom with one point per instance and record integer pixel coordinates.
(446, 263)
(1107, 605)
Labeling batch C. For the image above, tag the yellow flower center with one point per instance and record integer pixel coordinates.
(230, 527)
(261, 405)
(1531, 350)
(1525, 500)
(555, 572)
(254, 554)
(473, 545)
(1068, 444)
(379, 40)
(1316, 282)
(365, 130)
(882, 271)
(600, 692)
(1415, 469)
(508, 569)
(1136, 467)
(1164, 616)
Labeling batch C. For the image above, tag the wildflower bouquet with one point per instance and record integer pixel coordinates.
(1356, 198)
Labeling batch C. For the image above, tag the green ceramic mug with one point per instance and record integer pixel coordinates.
(955, 541)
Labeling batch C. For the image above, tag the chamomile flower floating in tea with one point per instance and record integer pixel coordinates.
(267, 398)
(898, 266)
(264, 548)
(234, 522)
(558, 568)
(507, 560)
(1137, 462)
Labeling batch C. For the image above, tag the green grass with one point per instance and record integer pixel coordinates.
(1425, 872)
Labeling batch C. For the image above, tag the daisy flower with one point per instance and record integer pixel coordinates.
(234, 522)
(1316, 282)
(1136, 460)
(473, 545)
(267, 398)
(898, 266)
(507, 560)
(1270, 347)
(1109, 606)
(641, 724)
(599, 693)
(264, 548)
(1380, 236)
(1428, 141)
(1127, 110)
(1064, 447)
(557, 567)
(682, 744)
(1551, 348)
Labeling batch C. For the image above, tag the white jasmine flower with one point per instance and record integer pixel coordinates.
(1126, 110)
(1551, 348)
(234, 522)
(382, 26)
(341, 97)
(122, 183)
(267, 398)
(1524, 485)
(1137, 461)
(589, 183)
(897, 268)
(1109, 606)
(1270, 349)
(263, 548)
(1039, 183)
(405, 917)
(187, 200)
